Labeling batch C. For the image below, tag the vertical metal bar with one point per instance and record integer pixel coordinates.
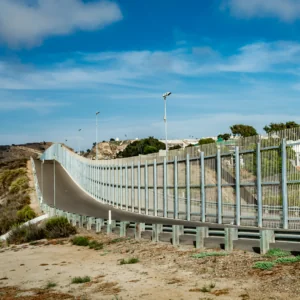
(121, 187)
(285, 217)
(203, 204)
(258, 182)
(146, 189)
(132, 187)
(113, 186)
(108, 185)
(175, 187)
(165, 208)
(155, 187)
(219, 185)
(188, 189)
(139, 186)
(237, 187)
(126, 187)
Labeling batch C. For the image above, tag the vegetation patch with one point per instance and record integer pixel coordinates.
(80, 241)
(129, 261)
(208, 254)
(287, 260)
(51, 285)
(59, 227)
(25, 214)
(277, 253)
(84, 279)
(264, 265)
(95, 245)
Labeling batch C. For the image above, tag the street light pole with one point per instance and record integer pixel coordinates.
(79, 141)
(43, 180)
(97, 113)
(54, 187)
(165, 119)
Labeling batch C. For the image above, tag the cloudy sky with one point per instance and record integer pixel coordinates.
(225, 62)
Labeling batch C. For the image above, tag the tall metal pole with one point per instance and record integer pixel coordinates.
(97, 113)
(165, 120)
(54, 197)
(79, 141)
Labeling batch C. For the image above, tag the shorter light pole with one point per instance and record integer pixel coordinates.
(97, 113)
(79, 141)
(165, 119)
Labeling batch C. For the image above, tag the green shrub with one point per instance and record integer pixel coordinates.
(25, 214)
(59, 227)
(206, 254)
(19, 184)
(264, 265)
(26, 234)
(132, 260)
(95, 245)
(81, 279)
(80, 241)
(277, 252)
(51, 285)
(287, 260)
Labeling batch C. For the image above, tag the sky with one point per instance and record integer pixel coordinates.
(225, 62)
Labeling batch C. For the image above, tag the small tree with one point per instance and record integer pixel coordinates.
(243, 130)
(94, 144)
(112, 140)
(175, 147)
(206, 141)
(274, 127)
(224, 136)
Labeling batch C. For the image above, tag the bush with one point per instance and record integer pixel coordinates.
(80, 241)
(19, 184)
(25, 214)
(132, 260)
(59, 227)
(287, 260)
(264, 265)
(278, 252)
(95, 245)
(26, 234)
(81, 279)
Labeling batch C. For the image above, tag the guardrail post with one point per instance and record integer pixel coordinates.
(202, 170)
(155, 187)
(123, 228)
(237, 187)
(98, 225)
(177, 231)
(109, 227)
(175, 187)
(201, 234)
(258, 179)
(231, 234)
(219, 186)
(266, 237)
(146, 189)
(188, 190)
(165, 208)
(285, 217)
(139, 227)
(156, 231)
(126, 187)
(74, 219)
(132, 187)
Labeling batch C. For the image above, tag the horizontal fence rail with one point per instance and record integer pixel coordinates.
(253, 182)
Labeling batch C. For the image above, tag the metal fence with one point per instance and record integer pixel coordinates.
(252, 182)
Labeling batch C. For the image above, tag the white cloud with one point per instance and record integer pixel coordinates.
(28, 23)
(285, 10)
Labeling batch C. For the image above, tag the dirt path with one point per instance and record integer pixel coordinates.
(34, 203)
(163, 272)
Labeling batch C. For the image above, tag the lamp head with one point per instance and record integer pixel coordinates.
(166, 94)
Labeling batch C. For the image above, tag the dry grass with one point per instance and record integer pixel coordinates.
(107, 288)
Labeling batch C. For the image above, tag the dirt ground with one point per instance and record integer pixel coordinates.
(163, 272)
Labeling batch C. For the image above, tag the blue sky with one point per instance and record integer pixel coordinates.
(225, 62)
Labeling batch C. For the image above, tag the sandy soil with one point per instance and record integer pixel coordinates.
(163, 272)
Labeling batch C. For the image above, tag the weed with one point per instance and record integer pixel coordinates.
(118, 240)
(95, 245)
(25, 214)
(212, 285)
(264, 265)
(132, 260)
(51, 285)
(207, 254)
(59, 227)
(81, 279)
(80, 241)
(286, 260)
(25, 234)
(277, 252)
(205, 289)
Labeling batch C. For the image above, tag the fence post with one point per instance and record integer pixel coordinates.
(285, 217)
(139, 227)
(155, 188)
(139, 186)
(203, 205)
(175, 188)
(219, 185)
(188, 190)
(132, 187)
(113, 181)
(165, 208)
(231, 234)
(126, 187)
(237, 187)
(121, 187)
(258, 176)
(266, 237)
(156, 230)
(177, 230)
(146, 189)
(201, 234)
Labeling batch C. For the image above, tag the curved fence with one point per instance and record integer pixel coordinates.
(252, 182)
